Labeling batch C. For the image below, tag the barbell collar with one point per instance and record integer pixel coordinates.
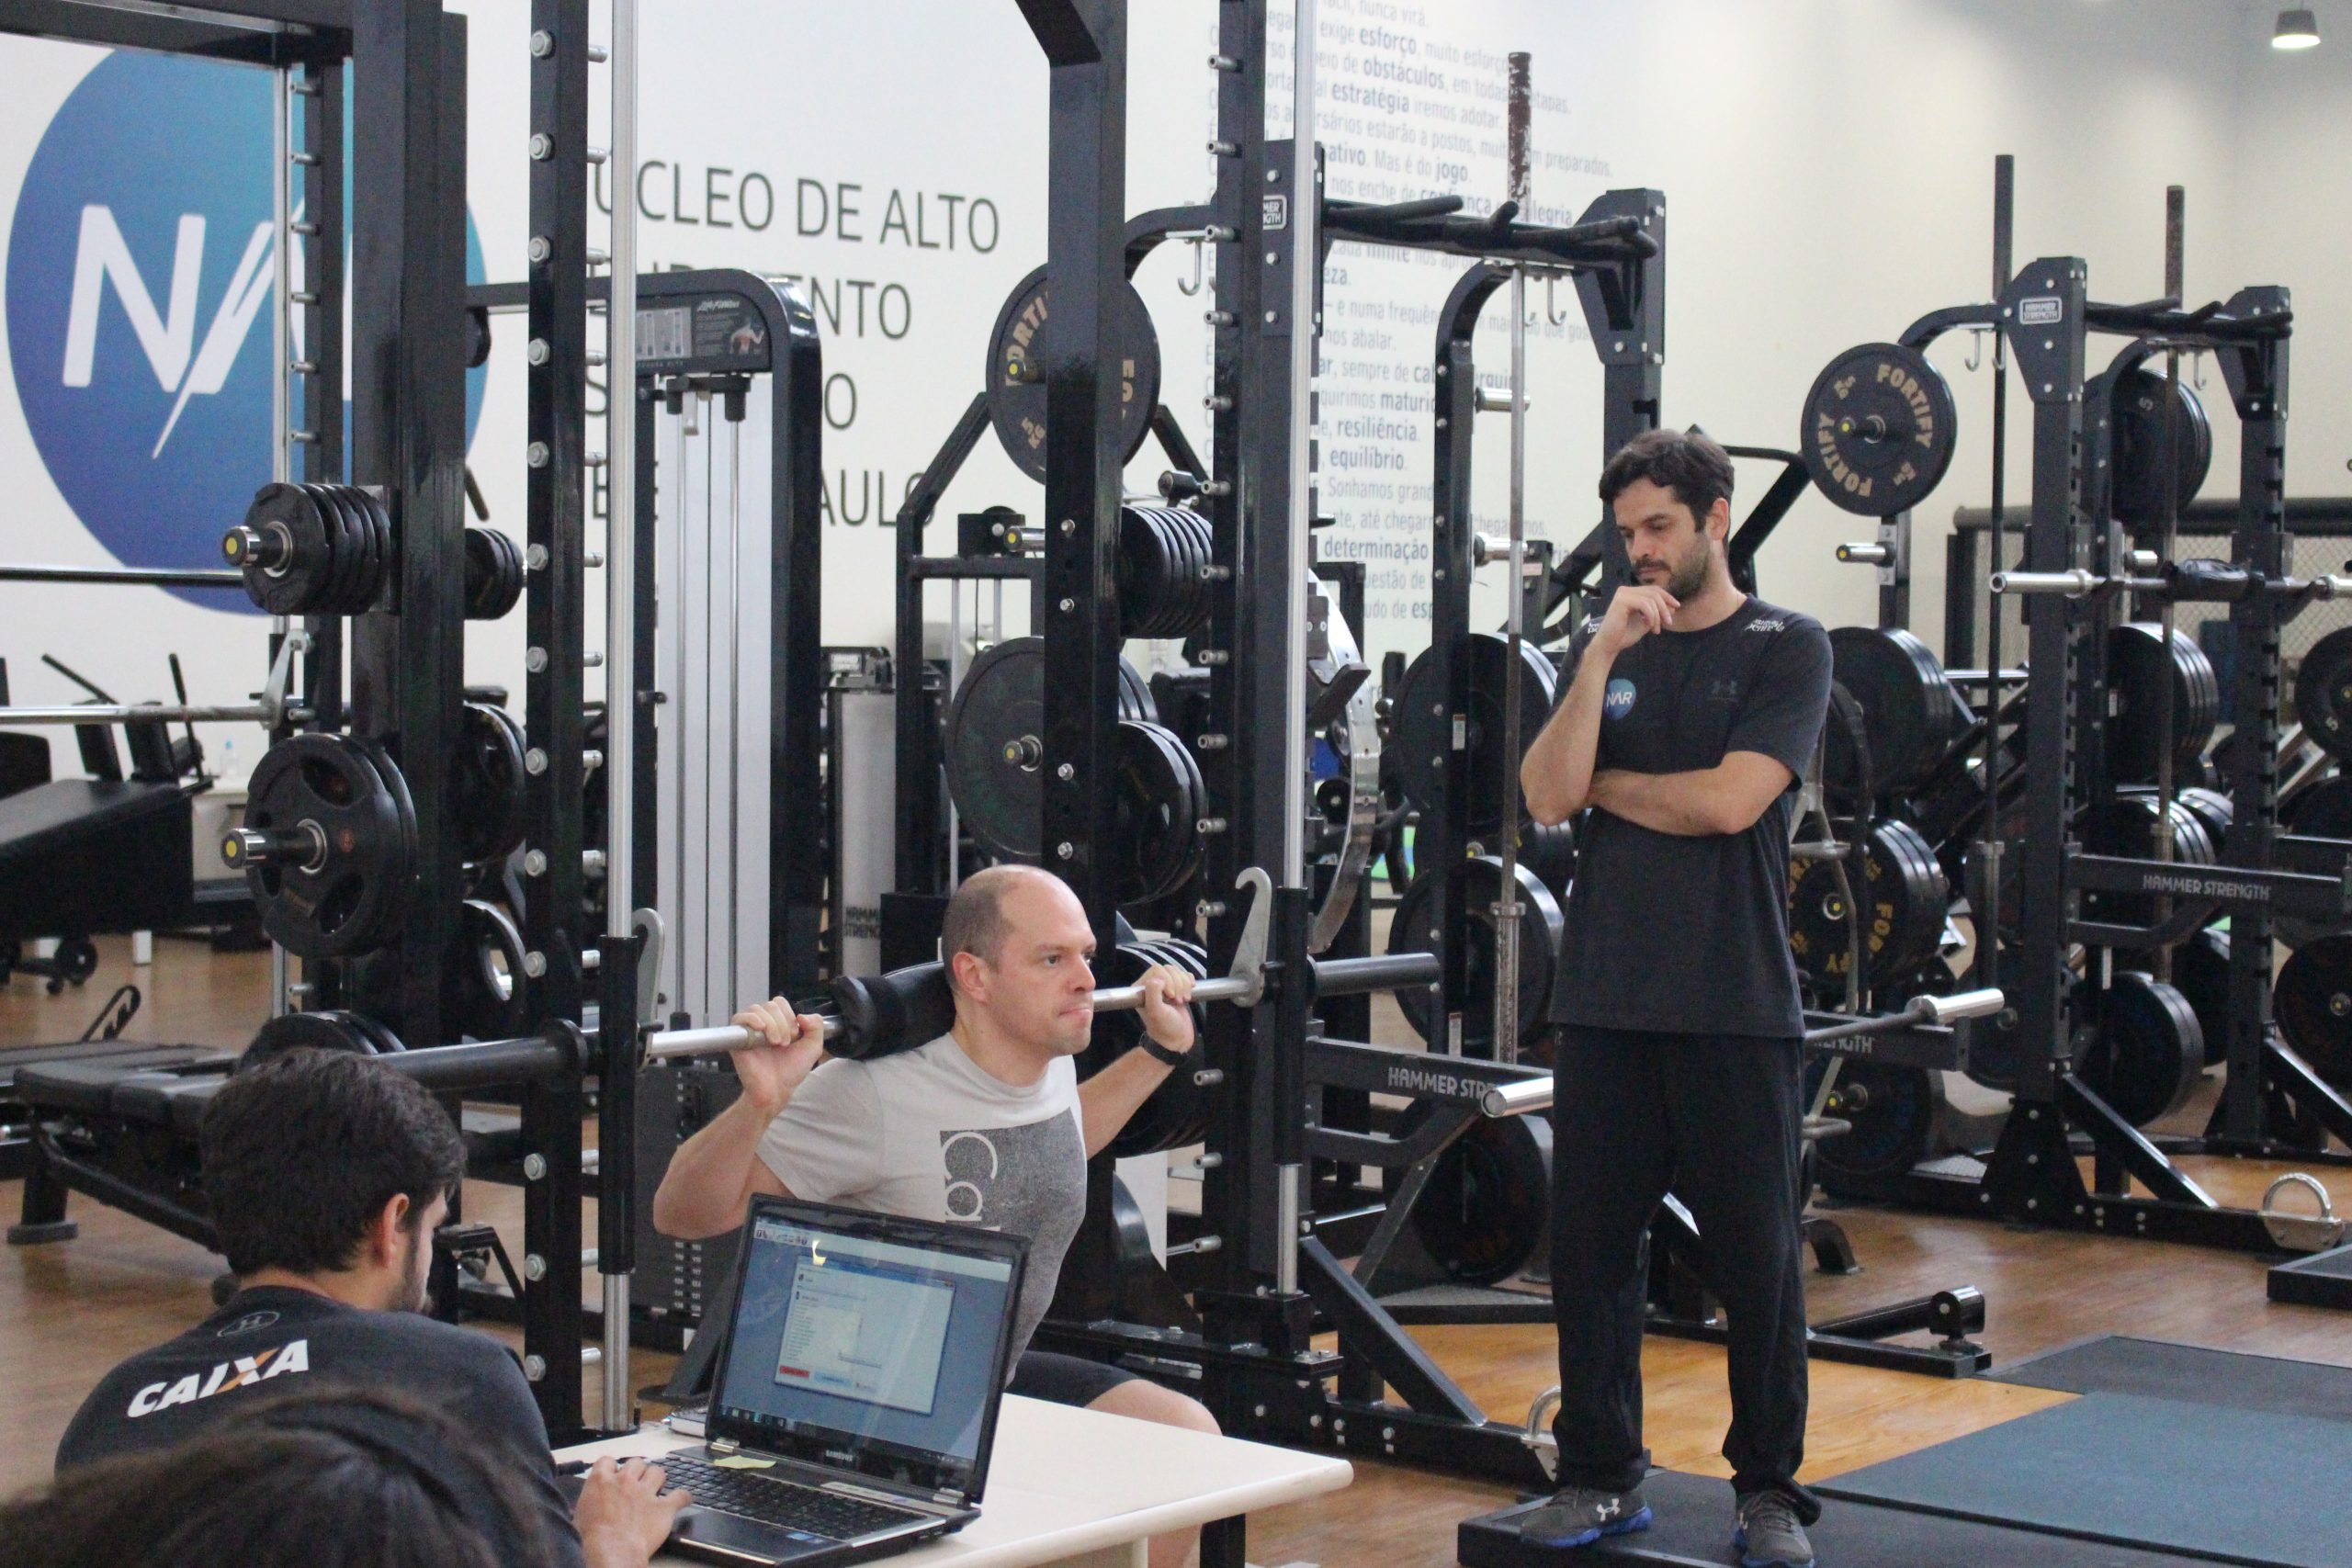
(304, 845)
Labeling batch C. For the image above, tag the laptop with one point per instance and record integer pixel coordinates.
(856, 1400)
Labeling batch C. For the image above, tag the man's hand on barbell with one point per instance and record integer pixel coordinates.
(790, 1047)
(1167, 1010)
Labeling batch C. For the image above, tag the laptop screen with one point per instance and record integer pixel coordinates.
(870, 1343)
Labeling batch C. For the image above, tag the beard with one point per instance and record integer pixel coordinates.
(415, 1280)
(1688, 578)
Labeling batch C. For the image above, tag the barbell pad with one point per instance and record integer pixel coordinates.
(885, 1014)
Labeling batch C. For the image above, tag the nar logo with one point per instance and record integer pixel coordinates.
(294, 1356)
(140, 298)
(1617, 701)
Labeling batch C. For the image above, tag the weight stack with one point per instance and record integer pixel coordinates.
(674, 1279)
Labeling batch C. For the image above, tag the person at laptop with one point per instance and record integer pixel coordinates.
(986, 1125)
(326, 1174)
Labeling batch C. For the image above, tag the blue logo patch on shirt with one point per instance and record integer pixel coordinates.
(1618, 700)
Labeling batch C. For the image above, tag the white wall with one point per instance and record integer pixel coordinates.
(1828, 165)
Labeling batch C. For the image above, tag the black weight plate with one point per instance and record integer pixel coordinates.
(1155, 807)
(1476, 888)
(350, 535)
(2201, 972)
(329, 1029)
(486, 998)
(1905, 903)
(1908, 714)
(1016, 389)
(2324, 693)
(289, 589)
(374, 538)
(2212, 811)
(1424, 725)
(486, 784)
(1134, 695)
(350, 901)
(381, 517)
(386, 1042)
(1147, 573)
(2125, 826)
(995, 747)
(2321, 809)
(1894, 1109)
(1878, 429)
(1204, 556)
(1550, 851)
(1486, 1209)
(2312, 1003)
(1178, 1112)
(2139, 438)
(2139, 673)
(2146, 1052)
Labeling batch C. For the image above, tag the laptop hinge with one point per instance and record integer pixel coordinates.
(725, 1446)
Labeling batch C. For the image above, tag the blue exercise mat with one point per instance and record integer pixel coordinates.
(2234, 1485)
(2158, 1369)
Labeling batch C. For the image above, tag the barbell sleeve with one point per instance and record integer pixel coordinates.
(1962, 1004)
(1921, 1009)
(1866, 555)
(2072, 584)
(1517, 1099)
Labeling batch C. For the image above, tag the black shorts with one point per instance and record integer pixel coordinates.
(1064, 1380)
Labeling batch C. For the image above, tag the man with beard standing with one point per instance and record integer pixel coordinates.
(1692, 712)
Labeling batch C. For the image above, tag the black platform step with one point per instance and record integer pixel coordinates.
(1693, 1529)
(2322, 1280)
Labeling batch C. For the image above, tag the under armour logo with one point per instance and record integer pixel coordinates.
(1610, 1509)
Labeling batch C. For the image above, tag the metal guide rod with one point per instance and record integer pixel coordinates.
(1988, 946)
(281, 342)
(1306, 279)
(1506, 908)
(620, 613)
(1305, 273)
(2175, 211)
(132, 713)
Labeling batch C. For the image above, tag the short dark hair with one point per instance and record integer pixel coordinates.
(328, 1478)
(974, 921)
(1687, 462)
(302, 1152)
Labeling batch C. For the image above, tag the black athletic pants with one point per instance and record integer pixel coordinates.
(1715, 1119)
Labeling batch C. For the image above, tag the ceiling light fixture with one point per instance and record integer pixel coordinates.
(2297, 28)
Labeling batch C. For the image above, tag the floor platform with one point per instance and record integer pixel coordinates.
(2158, 1369)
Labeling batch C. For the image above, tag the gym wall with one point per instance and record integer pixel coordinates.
(1826, 163)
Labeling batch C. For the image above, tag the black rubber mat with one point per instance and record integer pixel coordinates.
(1693, 1527)
(2217, 1481)
(2156, 1368)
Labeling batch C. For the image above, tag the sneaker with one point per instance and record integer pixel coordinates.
(1579, 1515)
(1768, 1534)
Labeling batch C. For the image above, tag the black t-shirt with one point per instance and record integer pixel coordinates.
(274, 1340)
(1689, 934)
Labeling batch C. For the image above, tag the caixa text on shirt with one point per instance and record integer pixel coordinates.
(294, 1356)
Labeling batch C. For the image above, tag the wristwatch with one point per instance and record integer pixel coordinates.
(1161, 1054)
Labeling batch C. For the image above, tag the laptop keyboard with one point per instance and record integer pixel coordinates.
(754, 1494)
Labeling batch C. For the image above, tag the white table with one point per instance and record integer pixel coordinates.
(1076, 1487)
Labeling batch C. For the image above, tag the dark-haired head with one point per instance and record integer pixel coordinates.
(304, 1156)
(1669, 493)
(327, 1478)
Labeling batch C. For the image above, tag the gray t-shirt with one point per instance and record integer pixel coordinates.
(931, 1135)
(1689, 934)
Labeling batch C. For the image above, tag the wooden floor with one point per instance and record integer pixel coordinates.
(69, 1312)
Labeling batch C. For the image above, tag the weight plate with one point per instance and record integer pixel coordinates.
(1906, 901)
(1908, 715)
(290, 588)
(2125, 826)
(387, 1043)
(1016, 369)
(995, 747)
(1476, 888)
(347, 550)
(1878, 429)
(1894, 1109)
(329, 1029)
(347, 899)
(2138, 675)
(1157, 805)
(2146, 1051)
(1424, 719)
(2201, 972)
(2324, 693)
(1487, 1206)
(2312, 1003)
(486, 784)
(2142, 433)
(1550, 851)
(379, 518)
(484, 999)
(1134, 695)
(1178, 1112)
(2212, 811)
(2321, 809)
